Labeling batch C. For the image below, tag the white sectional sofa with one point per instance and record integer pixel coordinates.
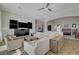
(47, 34)
(42, 45)
(37, 47)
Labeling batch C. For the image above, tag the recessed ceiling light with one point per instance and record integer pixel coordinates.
(20, 7)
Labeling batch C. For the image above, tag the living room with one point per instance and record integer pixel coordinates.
(30, 22)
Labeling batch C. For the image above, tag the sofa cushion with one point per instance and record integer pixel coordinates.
(9, 37)
(39, 35)
(53, 36)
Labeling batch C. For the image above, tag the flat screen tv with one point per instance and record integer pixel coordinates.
(13, 24)
(22, 25)
(29, 25)
(21, 32)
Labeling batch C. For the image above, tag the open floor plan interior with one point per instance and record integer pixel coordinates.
(39, 28)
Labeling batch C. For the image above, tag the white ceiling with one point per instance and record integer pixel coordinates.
(31, 9)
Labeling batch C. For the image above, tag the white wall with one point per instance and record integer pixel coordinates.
(64, 13)
(6, 16)
(66, 20)
(0, 28)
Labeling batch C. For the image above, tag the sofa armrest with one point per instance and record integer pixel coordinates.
(14, 44)
(42, 46)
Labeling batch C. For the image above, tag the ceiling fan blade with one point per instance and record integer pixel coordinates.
(41, 8)
(47, 5)
(49, 9)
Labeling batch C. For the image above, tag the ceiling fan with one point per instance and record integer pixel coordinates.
(47, 5)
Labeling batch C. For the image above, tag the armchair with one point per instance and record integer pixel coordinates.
(13, 44)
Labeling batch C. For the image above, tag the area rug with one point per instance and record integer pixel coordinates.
(71, 47)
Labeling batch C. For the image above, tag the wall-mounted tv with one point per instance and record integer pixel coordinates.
(21, 32)
(22, 25)
(13, 24)
(29, 25)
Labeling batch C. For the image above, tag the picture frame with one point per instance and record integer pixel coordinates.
(74, 25)
(49, 27)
